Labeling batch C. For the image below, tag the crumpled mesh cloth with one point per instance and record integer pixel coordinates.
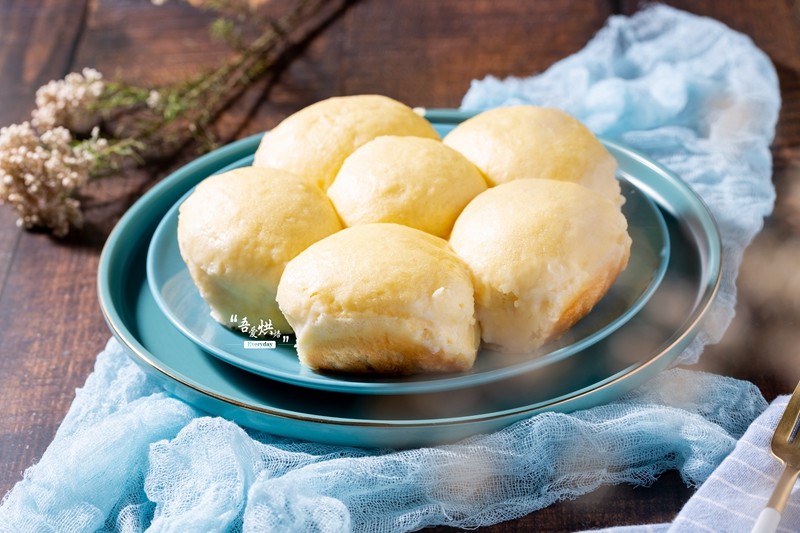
(129, 457)
(688, 92)
(731, 499)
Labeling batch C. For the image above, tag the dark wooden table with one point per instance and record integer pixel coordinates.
(421, 52)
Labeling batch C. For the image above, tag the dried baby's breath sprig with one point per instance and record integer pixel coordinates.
(163, 120)
(39, 174)
(69, 102)
(85, 127)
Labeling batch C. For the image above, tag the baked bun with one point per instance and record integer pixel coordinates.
(381, 298)
(520, 142)
(238, 230)
(414, 181)
(542, 254)
(314, 142)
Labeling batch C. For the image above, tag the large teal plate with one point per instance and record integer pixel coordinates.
(181, 303)
(625, 358)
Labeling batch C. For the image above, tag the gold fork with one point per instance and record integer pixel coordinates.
(786, 447)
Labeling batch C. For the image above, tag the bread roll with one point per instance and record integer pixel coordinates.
(381, 298)
(314, 142)
(522, 142)
(542, 254)
(414, 181)
(238, 230)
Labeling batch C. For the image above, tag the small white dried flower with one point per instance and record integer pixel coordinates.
(40, 174)
(69, 102)
(153, 99)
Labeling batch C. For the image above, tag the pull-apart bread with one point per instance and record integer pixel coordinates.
(526, 258)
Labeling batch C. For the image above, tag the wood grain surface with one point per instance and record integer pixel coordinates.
(424, 53)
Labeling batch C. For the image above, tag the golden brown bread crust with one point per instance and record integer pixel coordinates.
(381, 298)
(384, 347)
(414, 181)
(532, 142)
(588, 298)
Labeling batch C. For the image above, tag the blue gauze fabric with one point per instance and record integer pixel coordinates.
(129, 457)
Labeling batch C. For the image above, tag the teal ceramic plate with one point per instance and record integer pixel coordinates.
(181, 303)
(624, 359)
